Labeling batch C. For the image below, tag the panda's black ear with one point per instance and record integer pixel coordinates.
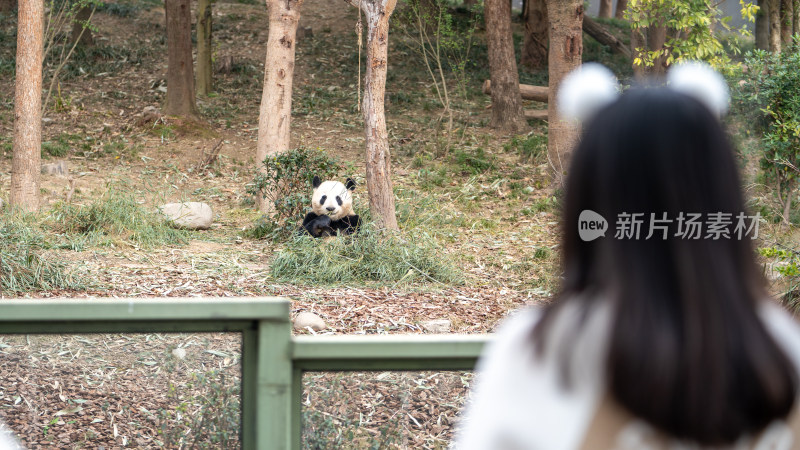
(350, 184)
(316, 182)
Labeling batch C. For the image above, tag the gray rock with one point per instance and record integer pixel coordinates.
(56, 168)
(309, 319)
(2, 203)
(436, 326)
(190, 215)
(179, 353)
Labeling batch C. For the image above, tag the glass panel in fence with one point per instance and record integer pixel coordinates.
(130, 390)
(381, 410)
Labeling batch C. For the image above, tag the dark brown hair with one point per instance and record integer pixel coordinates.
(687, 350)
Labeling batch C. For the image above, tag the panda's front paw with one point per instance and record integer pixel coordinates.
(322, 227)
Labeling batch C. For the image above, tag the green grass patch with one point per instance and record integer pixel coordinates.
(369, 256)
(116, 217)
(531, 147)
(22, 266)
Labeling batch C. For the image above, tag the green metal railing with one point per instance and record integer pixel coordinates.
(273, 361)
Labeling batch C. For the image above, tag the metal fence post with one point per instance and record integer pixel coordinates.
(274, 396)
(249, 388)
(297, 408)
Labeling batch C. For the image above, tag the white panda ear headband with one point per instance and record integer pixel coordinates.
(591, 87)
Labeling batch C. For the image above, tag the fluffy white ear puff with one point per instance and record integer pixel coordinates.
(700, 81)
(585, 91)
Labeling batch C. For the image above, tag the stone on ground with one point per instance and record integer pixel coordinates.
(189, 215)
(309, 319)
(436, 326)
(56, 168)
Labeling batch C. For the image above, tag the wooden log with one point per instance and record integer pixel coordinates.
(536, 114)
(529, 92)
(601, 35)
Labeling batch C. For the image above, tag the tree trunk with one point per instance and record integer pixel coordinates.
(507, 112)
(787, 13)
(762, 25)
(566, 48)
(379, 173)
(26, 160)
(601, 35)
(656, 37)
(7, 5)
(180, 73)
(774, 26)
(605, 9)
(204, 80)
(638, 42)
(526, 91)
(795, 16)
(534, 46)
(622, 5)
(275, 114)
(81, 19)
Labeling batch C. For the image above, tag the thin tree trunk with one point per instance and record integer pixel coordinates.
(379, 173)
(534, 46)
(275, 114)
(204, 79)
(787, 13)
(180, 70)
(622, 5)
(566, 48)
(774, 26)
(81, 18)
(656, 37)
(795, 16)
(638, 42)
(762, 25)
(507, 112)
(601, 35)
(26, 159)
(605, 9)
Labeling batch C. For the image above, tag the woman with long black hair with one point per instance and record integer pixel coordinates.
(663, 335)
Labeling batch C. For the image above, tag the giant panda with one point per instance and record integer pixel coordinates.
(331, 209)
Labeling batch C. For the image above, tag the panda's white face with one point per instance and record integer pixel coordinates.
(332, 199)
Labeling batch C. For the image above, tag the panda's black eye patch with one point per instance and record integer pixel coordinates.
(322, 199)
(339, 200)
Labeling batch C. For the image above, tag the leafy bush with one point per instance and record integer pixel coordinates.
(369, 255)
(774, 88)
(786, 263)
(286, 182)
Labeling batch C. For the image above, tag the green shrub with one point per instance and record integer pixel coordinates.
(286, 182)
(786, 263)
(774, 89)
(367, 256)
